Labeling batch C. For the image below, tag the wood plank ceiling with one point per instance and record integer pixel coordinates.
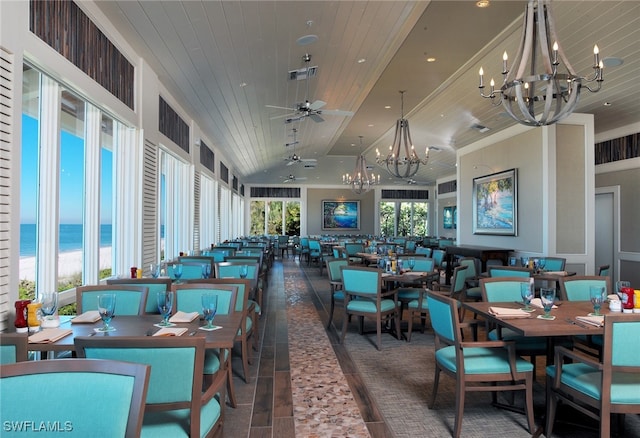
(226, 60)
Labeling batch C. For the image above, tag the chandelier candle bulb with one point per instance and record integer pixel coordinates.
(596, 56)
(555, 53)
(505, 58)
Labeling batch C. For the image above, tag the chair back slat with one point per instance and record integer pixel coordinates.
(424, 264)
(502, 289)
(423, 250)
(576, 288)
(189, 297)
(443, 316)
(13, 348)
(361, 281)
(508, 271)
(154, 285)
(334, 267)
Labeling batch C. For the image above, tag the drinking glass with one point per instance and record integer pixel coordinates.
(412, 263)
(548, 297)
(526, 292)
(619, 285)
(542, 263)
(155, 270)
(49, 304)
(244, 271)
(106, 309)
(206, 270)
(596, 294)
(177, 271)
(165, 304)
(209, 307)
(524, 261)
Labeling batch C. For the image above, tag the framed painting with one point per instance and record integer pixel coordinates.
(495, 203)
(448, 218)
(341, 215)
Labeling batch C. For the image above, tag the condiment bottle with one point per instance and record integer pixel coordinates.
(21, 316)
(33, 316)
(627, 299)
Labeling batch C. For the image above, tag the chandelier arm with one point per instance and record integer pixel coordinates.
(528, 41)
(552, 33)
(545, 48)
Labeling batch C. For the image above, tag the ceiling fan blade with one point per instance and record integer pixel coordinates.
(282, 116)
(308, 160)
(302, 178)
(291, 162)
(337, 113)
(316, 118)
(280, 107)
(316, 105)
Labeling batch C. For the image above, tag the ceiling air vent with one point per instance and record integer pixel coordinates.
(302, 73)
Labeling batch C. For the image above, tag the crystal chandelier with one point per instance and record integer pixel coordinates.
(538, 99)
(402, 160)
(360, 181)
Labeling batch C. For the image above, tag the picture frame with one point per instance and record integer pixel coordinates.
(340, 215)
(448, 218)
(495, 203)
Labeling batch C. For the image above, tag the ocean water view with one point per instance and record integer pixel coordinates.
(70, 238)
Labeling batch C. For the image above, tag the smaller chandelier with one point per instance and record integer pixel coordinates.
(360, 181)
(402, 161)
(533, 91)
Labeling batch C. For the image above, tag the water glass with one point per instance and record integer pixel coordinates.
(548, 297)
(165, 304)
(49, 304)
(209, 307)
(206, 270)
(526, 292)
(596, 293)
(177, 271)
(542, 263)
(154, 268)
(244, 271)
(412, 263)
(524, 261)
(106, 309)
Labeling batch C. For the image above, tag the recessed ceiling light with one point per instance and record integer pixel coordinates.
(611, 61)
(431, 59)
(607, 104)
(243, 84)
(362, 60)
(387, 107)
(482, 3)
(370, 126)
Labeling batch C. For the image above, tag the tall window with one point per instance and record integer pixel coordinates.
(225, 214)
(63, 186)
(275, 217)
(404, 218)
(175, 206)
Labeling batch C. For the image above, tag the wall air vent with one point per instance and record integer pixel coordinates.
(302, 73)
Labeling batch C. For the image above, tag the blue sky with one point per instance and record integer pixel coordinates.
(71, 180)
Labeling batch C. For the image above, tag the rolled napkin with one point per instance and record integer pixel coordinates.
(184, 317)
(559, 273)
(49, 336)
(171, 331)
(88, 317)
(598, 321)
(508, 313)
(537, 302)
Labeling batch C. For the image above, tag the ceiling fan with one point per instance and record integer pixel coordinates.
(313, 110)
(294, 158)
(291, 178)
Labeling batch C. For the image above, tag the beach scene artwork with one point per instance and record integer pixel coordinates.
(494, 203)
(341, 215)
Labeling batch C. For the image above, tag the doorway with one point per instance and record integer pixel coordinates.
(606, 229)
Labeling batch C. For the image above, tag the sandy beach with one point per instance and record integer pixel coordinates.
(69, 263)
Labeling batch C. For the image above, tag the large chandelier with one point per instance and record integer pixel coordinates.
(402, 160)
(360, 181)
(538, 99)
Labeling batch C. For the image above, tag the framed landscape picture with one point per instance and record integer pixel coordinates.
(341, 215)
(448, 218)
(495, 203)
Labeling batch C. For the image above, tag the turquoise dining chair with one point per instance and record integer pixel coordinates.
(130, 300)
(410, 292)
(61, 389)
(363, 297)
(507, 290)
(423, 251)
(473, 276)
(475, 366)
(176, 405)
(13, 348)
(334, 268)
(190, 271)
(154, 285)
(232, 270)
(576, 287)
(554, 263)
(599, 388)
(508, 271)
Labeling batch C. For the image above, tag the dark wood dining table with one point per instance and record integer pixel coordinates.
(564, 325)
(144, 326)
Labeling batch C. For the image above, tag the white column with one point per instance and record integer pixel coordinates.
(91, 229)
